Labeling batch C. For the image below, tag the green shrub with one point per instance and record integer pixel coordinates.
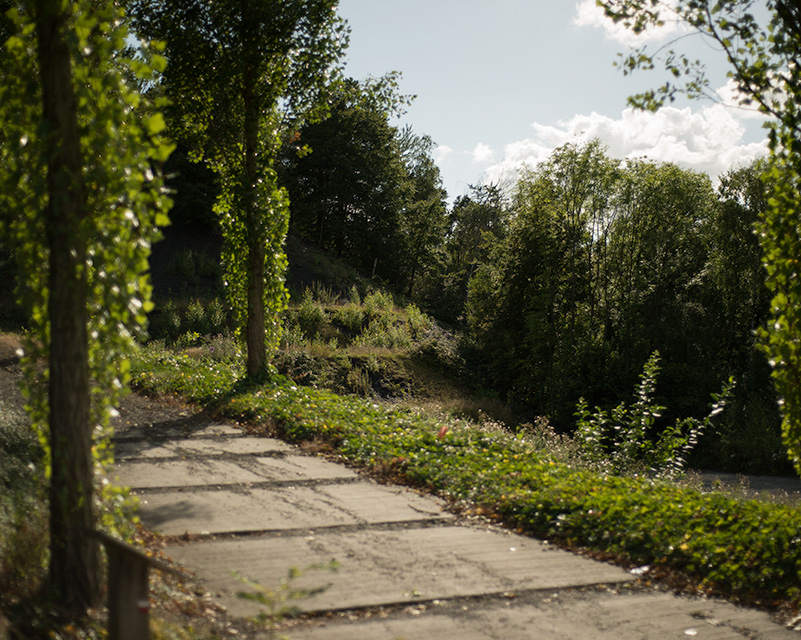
(292, 335)
(379, 335)
(188, 339)
(377, 303)
(324, 294)
(353, 296)
(196, 318)
(23, 507)
(351, 317)
(206, 266)
(311, 315)
(419, 322)
(358, 381)
(167, 323)
(622, 441)
(184, 264)
(215, 317)
(222, 347)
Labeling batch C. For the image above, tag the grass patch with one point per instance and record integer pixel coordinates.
(743, 549)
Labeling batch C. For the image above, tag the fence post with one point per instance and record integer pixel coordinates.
(128, 591)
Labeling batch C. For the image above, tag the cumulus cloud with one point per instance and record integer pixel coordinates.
(589, 14)
(731, 96)
(483, 153)
(708, 140)
(441, 152)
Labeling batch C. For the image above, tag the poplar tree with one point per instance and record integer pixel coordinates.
(79, 204)
(241, 74)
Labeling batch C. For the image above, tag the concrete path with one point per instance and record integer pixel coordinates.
(407, 567)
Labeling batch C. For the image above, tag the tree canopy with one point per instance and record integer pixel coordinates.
(364, 189)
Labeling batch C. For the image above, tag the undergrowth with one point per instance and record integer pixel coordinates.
(746, 550)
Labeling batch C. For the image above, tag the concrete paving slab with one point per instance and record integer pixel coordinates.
(283, 508)
(566, 615)
(174, 431)
(206, 471)
(289, 468)
(126, 450)
(381, 567)
(194, 472)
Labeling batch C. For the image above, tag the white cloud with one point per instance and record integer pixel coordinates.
(731, 96)
(483, 153)
(709, 139)
(589, 14)
(441, 152)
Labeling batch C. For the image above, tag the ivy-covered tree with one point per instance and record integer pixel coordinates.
(240, 74)
(79, 205)
(763, 60)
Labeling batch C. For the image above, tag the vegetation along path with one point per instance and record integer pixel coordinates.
(230, 502)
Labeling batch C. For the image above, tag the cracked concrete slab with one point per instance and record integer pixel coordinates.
(283, 507)
(381, 567)
(205, 471)
(566, 615)
(157, 430)
(189, 448)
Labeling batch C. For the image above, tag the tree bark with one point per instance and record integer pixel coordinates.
(75, 570)
(255, 324)
(254, 332)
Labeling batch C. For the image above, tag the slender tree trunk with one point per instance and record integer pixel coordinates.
(254, 332)
(255, 328)
(74, 556)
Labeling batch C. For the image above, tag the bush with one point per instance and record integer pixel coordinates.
(184, 265)
(166, 324)
(311, 315)
(23, 510)
(222, 347)
(623, 442)
(292, 335)
(377, 303)
(324, 294)
(351, 317)
(196, 318)
(216, 319)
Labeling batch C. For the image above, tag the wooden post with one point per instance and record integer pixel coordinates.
(128, 592)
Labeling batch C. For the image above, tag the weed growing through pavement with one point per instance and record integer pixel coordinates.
(277, 603)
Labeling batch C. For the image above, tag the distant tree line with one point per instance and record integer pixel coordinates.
(594, 265)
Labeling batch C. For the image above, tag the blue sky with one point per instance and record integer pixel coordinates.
(501, 83)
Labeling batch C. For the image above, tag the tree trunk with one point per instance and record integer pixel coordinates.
(254, 331)
(255, 324)
(74, 557)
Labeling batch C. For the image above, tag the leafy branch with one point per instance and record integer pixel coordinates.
(621, 441)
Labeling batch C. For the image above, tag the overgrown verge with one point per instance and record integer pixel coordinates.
(746, 550)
